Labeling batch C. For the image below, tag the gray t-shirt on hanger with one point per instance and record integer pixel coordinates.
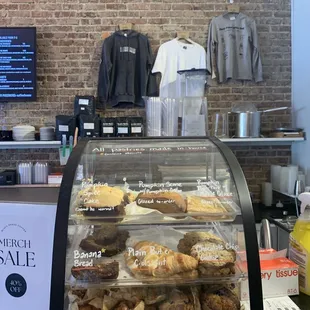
(233, 48)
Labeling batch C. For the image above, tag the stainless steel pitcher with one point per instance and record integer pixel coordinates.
(248, 124)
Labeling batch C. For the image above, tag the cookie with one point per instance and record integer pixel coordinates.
(214, 259)
(221, 299)
(212, 254)
(190, 239)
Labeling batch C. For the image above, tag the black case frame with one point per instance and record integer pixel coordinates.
(62, 216)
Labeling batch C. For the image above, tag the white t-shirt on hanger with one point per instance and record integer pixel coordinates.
(174, 56)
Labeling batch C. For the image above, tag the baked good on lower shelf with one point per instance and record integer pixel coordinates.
(150, 295)
(214, 259)
(168, 203)
(97, 272)
(178, 300)
(88, 307)
(102, 201)
(138, 298)
(149, 259)
(109, 241)
(220, 299)
(126, 305)
(191, 238)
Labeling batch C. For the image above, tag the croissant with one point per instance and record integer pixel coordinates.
(150, 259)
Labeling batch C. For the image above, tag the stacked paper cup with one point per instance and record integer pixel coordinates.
(23, 133)
(283, 179)
(153, 116)
(292, 177)
(47, 133)
(170, 114)
(275, 176)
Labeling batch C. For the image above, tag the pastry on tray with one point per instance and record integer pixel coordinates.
(97, 272)
(178, 300)
(106, 234)
(214, 259)
(108, 240)
(167, 203)
(219, 299)
(211, 253)
(101, 201)
(88, 307)
(208, 297)
(209, 205)
(148, 260)
(190, 239)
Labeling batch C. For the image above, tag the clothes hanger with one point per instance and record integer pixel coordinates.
(233, 8)
(127, 26)
(184, 35)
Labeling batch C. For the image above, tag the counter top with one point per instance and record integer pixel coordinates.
(261, 212)
(302, 301)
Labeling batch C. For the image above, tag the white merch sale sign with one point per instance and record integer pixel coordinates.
(26, 250)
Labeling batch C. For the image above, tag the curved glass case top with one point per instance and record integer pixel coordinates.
(153, 181)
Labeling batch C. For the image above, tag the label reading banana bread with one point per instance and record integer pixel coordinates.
(85, 259)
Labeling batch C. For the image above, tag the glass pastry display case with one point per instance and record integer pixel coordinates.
(153, 223)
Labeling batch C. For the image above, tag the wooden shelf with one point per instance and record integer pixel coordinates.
(30, 186)
(261, 141)
(5, 145)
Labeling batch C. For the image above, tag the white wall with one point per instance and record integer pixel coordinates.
(301, 78)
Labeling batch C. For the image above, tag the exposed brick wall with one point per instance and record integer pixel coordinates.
(69, 45)
(255, 162)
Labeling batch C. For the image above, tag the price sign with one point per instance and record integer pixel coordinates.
(26, 249)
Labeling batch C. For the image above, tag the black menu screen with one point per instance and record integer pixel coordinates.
(17, 64)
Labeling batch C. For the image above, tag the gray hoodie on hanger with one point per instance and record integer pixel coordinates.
(233, 48)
